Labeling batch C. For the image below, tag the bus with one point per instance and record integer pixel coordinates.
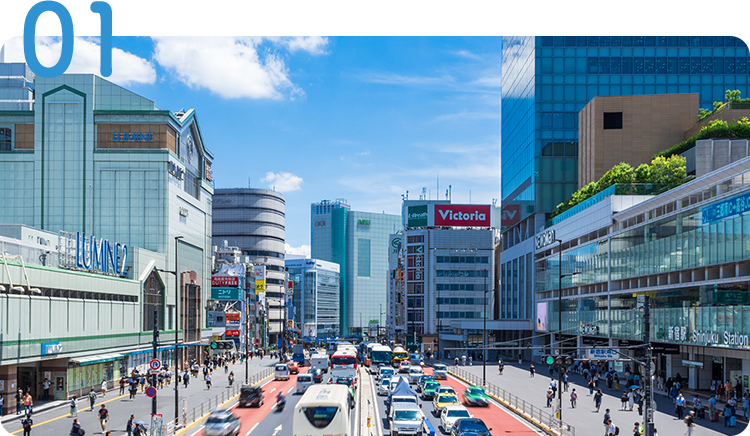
(379, 355)
(365, 352)
(399, 355)
(344, 359)
(323, 410)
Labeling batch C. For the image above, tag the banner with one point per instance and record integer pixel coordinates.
(462, 215)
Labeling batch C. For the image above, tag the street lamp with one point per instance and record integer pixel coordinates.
(484, 334)
(559, 325)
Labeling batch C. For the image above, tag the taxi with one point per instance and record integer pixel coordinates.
(442, 400)
(293, 367)
(476, 396)
(429, 389)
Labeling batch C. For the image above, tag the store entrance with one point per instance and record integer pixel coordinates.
(717, 369)
(27, 380)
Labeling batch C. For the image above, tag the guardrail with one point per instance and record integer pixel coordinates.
(197, 413)
(518, 405)
(429, 430)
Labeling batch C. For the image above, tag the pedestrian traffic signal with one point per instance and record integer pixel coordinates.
(222, 345)
(564, 360)
(548, 360)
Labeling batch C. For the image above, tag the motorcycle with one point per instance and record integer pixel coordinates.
(280, 405)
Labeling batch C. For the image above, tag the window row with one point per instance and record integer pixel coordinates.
(640, 41)
(416, 238)
(461, 273)
(459, 287)
(462, 301)
(462, 259)
(667, 65)
(469, 315)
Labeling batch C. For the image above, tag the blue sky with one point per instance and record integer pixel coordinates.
(361, 118)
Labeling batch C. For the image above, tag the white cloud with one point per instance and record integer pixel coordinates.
(127, 68)
(490, 81)
(467, 54)
(399, 79)
(283, 182)
(311, 44)
(302, 250)
(230, 67)
(465, 115)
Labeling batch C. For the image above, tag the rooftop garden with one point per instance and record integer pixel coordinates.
(716, 129)
(729, 98)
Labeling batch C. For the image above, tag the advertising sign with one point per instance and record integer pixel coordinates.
(417, 216)
(511, 215)
(541, 316)
(462, 215)
(230, 333)
(225, 294)
(544, 239)
(226, 281)
(51, 348)
(232, 319)
(260, 278)
(215, 318)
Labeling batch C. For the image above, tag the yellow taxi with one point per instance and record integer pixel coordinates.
(442, 400)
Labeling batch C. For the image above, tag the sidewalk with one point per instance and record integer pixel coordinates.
(39, 407)
(584, 417)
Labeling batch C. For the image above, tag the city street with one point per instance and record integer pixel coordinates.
(515, 379)
(57, 421)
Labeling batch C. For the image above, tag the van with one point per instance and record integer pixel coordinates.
(281, 372)
(304, 381)
(405, 419)
(319, 361)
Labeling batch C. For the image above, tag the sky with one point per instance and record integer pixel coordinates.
(361, 118)
(413, 104)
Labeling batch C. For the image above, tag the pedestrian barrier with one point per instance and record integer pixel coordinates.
(529, 411)
(429, 430)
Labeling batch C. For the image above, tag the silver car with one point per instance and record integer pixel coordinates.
(222, 423)
(384, 387)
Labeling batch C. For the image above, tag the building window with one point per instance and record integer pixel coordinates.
(153, 300)
(5, 139)
(363, 258)
(612, 120)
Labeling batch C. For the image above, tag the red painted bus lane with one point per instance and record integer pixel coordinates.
(494, 416)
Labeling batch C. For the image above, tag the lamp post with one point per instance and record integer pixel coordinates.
(559, 325)
(484, 334)
(247, 332)
(176, 336)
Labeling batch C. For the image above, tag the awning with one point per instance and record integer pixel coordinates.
(90, 360)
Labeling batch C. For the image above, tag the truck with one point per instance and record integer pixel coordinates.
(298, 354)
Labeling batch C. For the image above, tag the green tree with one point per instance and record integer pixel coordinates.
(620, 173)
(732, 95)
(642, 174)
(669, 172)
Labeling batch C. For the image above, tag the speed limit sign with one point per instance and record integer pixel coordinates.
(154, 365)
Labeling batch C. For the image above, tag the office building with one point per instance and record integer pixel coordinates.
(315, 298)
(253, 220)
(16, 88)
(358, 242)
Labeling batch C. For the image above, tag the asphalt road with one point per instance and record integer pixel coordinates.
(57, 421)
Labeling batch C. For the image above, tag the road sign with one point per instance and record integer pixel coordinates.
(154, 364)
(602, 354)
(151, 392)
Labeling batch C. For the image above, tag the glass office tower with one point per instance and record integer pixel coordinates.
(547, 80)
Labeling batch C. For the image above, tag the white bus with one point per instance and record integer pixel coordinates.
(323, 410)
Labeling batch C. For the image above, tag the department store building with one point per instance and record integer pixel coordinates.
(91, 169)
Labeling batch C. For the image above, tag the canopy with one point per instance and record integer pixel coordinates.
(402, 389)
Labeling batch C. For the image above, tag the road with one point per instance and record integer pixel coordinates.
(494, 416)
(57, 421)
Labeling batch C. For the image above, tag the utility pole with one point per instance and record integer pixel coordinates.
(649, 381)
(484, 335)
(153, 355)
(247, 334)
(176, 336)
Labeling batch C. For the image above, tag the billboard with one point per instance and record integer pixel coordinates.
(225, 281)
(541, 316)
(232, 319)
(225, 294)
(462, 215)
(260, 278)
(417, 216)
(511, 215)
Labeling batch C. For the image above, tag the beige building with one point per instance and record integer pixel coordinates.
(630, 129)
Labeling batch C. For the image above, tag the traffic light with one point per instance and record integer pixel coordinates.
(548, 360)
(222, 345)
(559, 360)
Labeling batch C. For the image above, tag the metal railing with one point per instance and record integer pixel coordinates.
(521, 406)
(199, 411)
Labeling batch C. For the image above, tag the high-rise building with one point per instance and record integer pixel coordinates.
(254, 220)
(16, 88)
(358, 242)
(316, 297)
(546, 82)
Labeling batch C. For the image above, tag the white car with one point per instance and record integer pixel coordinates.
(404, 367)
(414, 373)
(446, 390)
(384, 387)
(304, 381)
(450, 414)
(281, 372)
(385, 371)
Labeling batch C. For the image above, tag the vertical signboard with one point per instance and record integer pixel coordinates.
(260, 278)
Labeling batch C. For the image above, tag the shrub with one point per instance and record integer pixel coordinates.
(715, 129)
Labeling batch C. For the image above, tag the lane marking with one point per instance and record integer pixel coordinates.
(251, 430)
(290, 389)
(271, 391)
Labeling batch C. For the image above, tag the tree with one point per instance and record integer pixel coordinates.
(732, 95)
(620, 173)
(642, 174)
(669, 172)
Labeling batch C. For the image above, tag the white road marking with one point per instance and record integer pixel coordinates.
(290, 390)
(251, 430)
(276, 430)
(271, 391)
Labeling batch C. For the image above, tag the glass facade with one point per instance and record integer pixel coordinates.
(316, 297)
(547, 80)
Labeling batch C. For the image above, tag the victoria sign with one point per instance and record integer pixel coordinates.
(462, 215)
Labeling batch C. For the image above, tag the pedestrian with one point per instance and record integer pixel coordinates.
(598, 399)
(28, 404)
(208, 381)
(45, 385)
(711, 407)
(612, 429)
(606, 421)
(129, 425)
(500, 367)
(104, 388)
(746, 404)
(185, 378)
(565, 381)
(617, 382)
(550, 396)
(73, 406)
(122, 386)
(573, 398)
(656, 432)
(26, 423)
(2, 403)
(76, 430)
(631, 400)
(103, 417)
(680, 406)
(690, 422)
(520, 358)
(553, 385)
(637, 429)
(92, 399)
(640, 405)
(19, 401)
(531, 370)
(624, 400)
(133, 390)
(591, 386)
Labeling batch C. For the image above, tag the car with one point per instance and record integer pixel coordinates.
(251, 396)
(450, 414)
(442, 400)
(385, 371)
(404, 367)
(293, 367)
(405, 419)
(317, 374)
(414, 373)
(222, 423)
(470, 427)
(440, 371)
(384, 388)
(422, 380)
(281, 372)
(304, 381)
(446, 390)
(415, 359)
(345, 381)
(429, 389)
(476, 396)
